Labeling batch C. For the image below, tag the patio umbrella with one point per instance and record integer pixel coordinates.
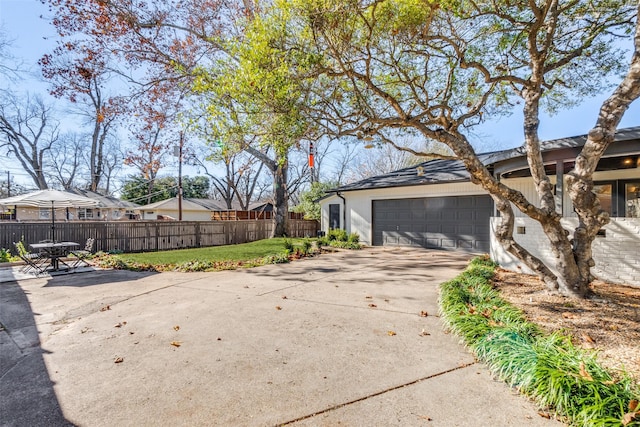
(50, 199)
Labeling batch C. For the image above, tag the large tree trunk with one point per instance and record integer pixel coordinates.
(280, 199)
(570, 280)
(278, 168)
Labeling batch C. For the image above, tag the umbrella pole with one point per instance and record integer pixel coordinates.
(53, 223)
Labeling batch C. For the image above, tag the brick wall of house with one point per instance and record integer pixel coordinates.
(616, 253)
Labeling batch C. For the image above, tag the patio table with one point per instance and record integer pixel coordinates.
(55, 251)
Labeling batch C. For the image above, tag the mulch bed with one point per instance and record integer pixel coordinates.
(608, 321)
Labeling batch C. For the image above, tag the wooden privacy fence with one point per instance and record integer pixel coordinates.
(141, 236)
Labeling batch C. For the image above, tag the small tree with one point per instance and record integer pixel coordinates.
(309, 204)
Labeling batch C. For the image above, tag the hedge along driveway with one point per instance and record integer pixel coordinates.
(559, 376)
(350, 337)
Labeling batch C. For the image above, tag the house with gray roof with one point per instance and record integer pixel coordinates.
(435, 205)
(193, 209)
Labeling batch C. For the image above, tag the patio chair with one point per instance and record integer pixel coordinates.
(83, 254)
(34, 262)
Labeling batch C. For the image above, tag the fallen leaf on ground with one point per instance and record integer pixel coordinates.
(278, 307)
(568, 315)
(118, 360)
(628, 417)
(176, 343)
(368, 297)
(372, 305)
(423, 313)
(587, 338)
(391, 333)
(176, 328)
(424, 333)
(584, 373)
(105, 308)
(633, 405)
(119, 325)
(545, 415)
(284, 297)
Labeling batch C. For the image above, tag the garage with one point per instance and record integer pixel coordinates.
(451, 223)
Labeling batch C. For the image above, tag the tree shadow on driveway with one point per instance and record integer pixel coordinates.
(27, 396)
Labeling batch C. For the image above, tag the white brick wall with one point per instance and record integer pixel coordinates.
(617, 255)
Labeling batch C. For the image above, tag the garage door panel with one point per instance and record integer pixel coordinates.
(448, 243)
(453, 223)
(465, 244)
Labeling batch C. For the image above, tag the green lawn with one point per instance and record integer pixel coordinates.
(233, 253)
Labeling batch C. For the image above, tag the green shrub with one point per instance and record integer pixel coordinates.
(5, 255)
(337, 234)
(353, 238)
(344, 245)
(306, 247)
(276, 259)
(288, 245)
(548, 368)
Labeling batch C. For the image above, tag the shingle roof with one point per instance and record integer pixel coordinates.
(442, 171)
(105, 201)
(172, 204)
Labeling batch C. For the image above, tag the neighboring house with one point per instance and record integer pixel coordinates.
(201, 210)
(435, 205)
(109, 208)
(192, 209)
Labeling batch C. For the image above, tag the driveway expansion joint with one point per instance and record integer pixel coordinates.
(361, 399)
(386, 310)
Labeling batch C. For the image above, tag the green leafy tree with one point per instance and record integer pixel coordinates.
(196, 187)
(309, 204)
(255, 102)
(136, 188)
(437, 68)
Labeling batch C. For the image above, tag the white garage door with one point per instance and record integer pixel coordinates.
(453, 223)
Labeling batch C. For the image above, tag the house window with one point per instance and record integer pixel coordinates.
(632, 199)
(604, 193)
(334, 216)
(45, 214)
(619, 198)
(85, 213)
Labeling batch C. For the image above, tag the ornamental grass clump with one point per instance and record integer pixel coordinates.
(546, 367)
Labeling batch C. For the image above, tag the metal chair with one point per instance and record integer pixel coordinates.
(33, 261)
(83, 254)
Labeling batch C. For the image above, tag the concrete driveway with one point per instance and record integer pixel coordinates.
(334, 340)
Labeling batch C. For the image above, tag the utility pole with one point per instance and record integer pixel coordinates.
(8, 184)
(180, 177)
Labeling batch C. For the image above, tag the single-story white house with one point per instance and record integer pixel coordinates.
(435, 205)
(193, 209)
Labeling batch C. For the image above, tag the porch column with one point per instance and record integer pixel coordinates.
(559, 196)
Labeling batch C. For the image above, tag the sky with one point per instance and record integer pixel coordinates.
(33, 36)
